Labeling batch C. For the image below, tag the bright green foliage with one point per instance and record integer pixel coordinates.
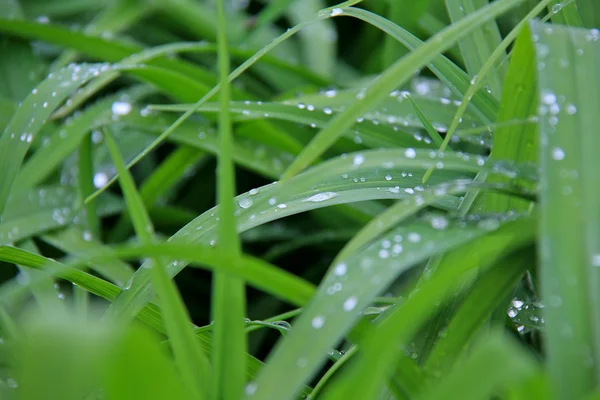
(418, 211)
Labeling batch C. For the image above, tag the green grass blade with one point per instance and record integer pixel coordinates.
(228, 299)
(567, 63)
(519, 101)
(192, 363)
(393, 77)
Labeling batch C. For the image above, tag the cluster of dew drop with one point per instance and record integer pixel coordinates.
(518, 306)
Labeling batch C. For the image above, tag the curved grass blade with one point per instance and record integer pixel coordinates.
(31, 116)
(393, 77)
(68, 136)
(355, 177)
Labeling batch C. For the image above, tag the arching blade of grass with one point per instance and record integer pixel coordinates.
(333, 182)
(191, 361)
(350, 286)
(478, 47)
(365, 376)
(567, 64)
(487, 293)
(31, 115)
(382, 135)
(228, 293)
(393, 77)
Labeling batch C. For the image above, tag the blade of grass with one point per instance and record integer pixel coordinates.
(393, 77)
(191, 361)
(567, 61)
(228, 299)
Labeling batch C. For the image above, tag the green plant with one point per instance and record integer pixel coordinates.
(398, 196)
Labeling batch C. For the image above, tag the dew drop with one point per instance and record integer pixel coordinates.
(121, 108)
(245, 203)
(324, 196)
(558, 154)
(350, 303)
(340, 269)
(318, 322)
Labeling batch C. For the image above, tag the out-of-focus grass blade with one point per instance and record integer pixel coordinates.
(477, 47)
(351, 285)
(567, 64)
(433, 134)
(333, 182)
(31, 115)
(487, 293)
(20, 69)
(393, 77)
(228, 297)
(590, 13)
(192, 363)
(150, 315)
(44, 212)
(494, 363)
(318, 42)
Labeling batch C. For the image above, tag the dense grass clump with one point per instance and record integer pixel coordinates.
(388, 199)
